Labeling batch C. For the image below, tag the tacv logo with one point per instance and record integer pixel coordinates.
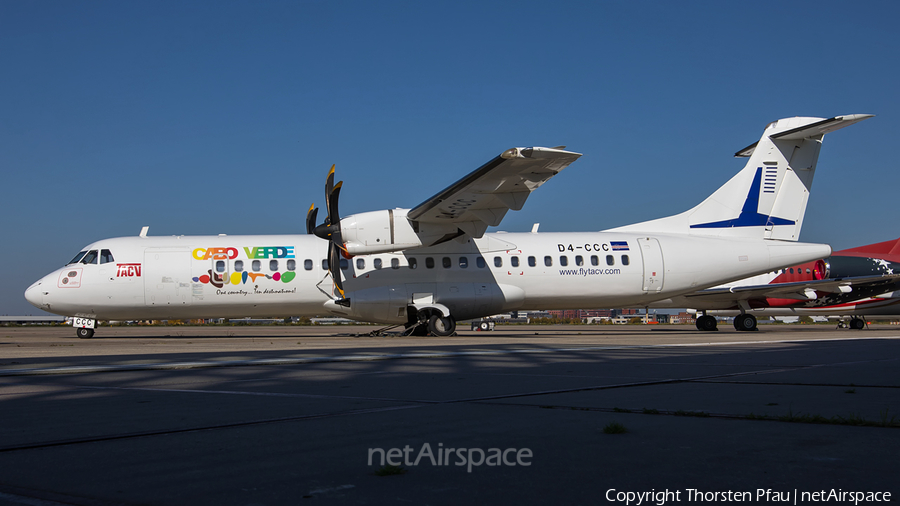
(750, 216)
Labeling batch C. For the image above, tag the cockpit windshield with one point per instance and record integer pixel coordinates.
(77, 257)
(90, 258)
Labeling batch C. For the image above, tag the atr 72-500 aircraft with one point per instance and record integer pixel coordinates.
(432, 265)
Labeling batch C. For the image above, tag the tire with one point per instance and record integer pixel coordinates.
(857, 324)
(441, 326)
(484, 326)
(707, 323)
(745, 322)
(84, 333)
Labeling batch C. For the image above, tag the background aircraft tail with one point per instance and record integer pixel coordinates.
(767, 199)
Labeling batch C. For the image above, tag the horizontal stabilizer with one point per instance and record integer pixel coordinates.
(806, 131)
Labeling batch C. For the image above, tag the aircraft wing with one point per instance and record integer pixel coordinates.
(482, 198)
(852, 287)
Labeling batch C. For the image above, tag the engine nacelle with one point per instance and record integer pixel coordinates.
(389, 230)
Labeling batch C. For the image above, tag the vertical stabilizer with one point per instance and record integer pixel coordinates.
(767, 199)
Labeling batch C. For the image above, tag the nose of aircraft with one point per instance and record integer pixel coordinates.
(34, 294)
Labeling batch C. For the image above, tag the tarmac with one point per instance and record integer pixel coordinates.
(263, 415)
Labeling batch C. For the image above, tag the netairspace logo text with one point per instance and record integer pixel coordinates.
(693, 495)
(469, 457)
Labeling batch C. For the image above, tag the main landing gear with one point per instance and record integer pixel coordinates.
(707, 323)
(857, 324)
(745, 322)
(742, 322)
(430, 321)
(84, 333)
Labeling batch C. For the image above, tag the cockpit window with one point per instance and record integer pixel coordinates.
(90, 258)
(106, 256)
(77, 257)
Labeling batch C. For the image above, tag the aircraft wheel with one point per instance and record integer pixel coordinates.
(441, 326)
(707, 323)
(84, 333)
(745, 322)
(485, 326)
(857, 324)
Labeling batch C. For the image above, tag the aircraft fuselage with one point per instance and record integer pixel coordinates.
(184, 277)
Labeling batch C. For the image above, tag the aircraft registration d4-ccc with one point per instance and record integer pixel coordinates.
(433, 265)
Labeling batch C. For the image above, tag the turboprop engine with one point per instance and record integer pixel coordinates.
(390, 230)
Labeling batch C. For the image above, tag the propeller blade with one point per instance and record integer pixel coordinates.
(311, 219)
(329, 187)
(333, 216)
(334, 266)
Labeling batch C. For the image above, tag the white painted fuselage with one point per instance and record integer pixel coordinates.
(286, 275)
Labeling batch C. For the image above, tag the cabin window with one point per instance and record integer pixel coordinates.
(344, 264)
(220, 265)
(446, 262)
(377, 263)
(307, 264)
(90, 258)
(807, 271)
(498, 262)
(563, 260)
(624, 259)
(610, 260)
(273, 265)
(106, 256)
(595, 260)
(291, 265)
(579, 260)
(257, 266)
(479, 261)
(395, 263)
(238, 265)
(77, 257)
(532, 261)
(463, 262)
(548, 261)
(360, 263)
(413, 263)
(792, 270)
(429, 262)
(514, 261)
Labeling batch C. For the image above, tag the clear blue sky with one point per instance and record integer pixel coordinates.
(224, 117)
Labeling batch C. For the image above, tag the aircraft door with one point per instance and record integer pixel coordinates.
(167, 277)
(654, 268)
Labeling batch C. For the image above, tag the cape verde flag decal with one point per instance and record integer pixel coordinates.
(619, 245)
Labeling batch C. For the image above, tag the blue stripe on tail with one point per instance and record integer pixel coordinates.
(749, 217)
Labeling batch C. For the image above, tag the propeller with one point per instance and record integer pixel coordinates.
(311, 219)
(331, 229)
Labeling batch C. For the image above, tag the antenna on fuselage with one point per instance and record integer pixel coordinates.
(144, 231)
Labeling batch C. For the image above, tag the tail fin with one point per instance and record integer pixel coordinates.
(767, 199)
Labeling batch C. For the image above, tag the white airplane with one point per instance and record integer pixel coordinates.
(432, 265)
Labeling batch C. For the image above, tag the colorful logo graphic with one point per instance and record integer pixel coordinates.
(231, 253)
(240, 278)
